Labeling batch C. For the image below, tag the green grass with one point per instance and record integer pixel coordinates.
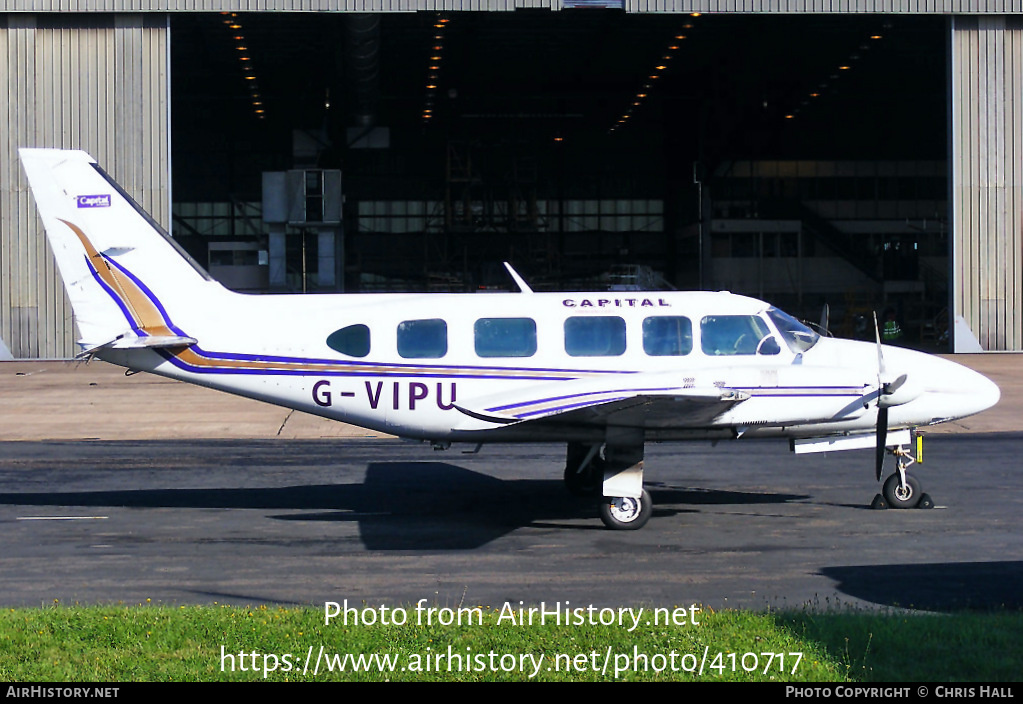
(161, 643)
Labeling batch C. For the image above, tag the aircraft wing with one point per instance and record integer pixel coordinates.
(619, 401)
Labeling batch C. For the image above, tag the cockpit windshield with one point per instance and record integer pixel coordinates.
(797, 336)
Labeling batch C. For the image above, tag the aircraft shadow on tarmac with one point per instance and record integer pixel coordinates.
(941, 586)
(410, 505)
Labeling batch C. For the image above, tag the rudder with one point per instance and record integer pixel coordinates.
(122, 272)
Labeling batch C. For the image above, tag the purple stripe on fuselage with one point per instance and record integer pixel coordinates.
(784, 391)
(569, 406)
(579, 395)
(808, 395)
(440, 368)
(340, 372)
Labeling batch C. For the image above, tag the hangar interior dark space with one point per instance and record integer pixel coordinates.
(801, 159)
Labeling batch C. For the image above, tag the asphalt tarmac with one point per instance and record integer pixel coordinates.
(381, 521)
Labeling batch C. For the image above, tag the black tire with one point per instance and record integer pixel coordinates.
(624, 513)
(897, 497)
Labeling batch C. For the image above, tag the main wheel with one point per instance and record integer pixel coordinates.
(626, 513)
(899, 497)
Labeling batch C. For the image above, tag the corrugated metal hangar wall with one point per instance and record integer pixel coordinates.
(986, 155)
(99, 81)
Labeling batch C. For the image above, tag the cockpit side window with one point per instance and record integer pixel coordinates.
(797, 336)
(423, 339)
(352, 340)
(735, 335)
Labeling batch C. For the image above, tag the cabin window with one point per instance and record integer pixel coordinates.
(425, 339)
(667, 336)
(505, 337)
(596, 336)
(736, 335)
(352, 340)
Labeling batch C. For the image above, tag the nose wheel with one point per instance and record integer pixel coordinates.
(901, 494)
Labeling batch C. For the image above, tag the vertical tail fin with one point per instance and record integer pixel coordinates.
(124, 275)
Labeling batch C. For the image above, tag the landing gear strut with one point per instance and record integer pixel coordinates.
(584, 469)
(613, 471)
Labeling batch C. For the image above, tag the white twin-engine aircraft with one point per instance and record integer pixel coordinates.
(604, 372)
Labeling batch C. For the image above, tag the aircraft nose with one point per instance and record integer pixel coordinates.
(985, 392)
(964, 392)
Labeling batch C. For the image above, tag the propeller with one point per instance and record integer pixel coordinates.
(825, 314)
(887, 396)
(882, 410)
(882, 437)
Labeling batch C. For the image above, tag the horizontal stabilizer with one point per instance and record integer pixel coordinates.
(132, 341)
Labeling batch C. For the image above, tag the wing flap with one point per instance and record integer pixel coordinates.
(654, 411)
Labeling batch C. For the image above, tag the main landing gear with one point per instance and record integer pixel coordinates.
(614, 473)
(901, 490)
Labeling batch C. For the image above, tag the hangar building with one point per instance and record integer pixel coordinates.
(867, 154)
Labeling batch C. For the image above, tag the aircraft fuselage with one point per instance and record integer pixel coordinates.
(414, 365)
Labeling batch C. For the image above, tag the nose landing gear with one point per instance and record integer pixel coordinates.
(901, 490)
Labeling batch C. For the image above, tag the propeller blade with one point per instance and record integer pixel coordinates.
(880, 356)
(882, 439)
(892, 386)
(825, 314)
(886, 386)
(882, 411)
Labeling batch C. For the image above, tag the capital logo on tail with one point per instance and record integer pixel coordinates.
(96, 201)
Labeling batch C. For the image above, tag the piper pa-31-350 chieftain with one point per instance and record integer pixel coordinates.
(604, 372)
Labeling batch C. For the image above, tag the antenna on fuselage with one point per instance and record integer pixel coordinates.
(519, 281)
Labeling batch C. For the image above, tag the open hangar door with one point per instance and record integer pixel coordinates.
(801, 159)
